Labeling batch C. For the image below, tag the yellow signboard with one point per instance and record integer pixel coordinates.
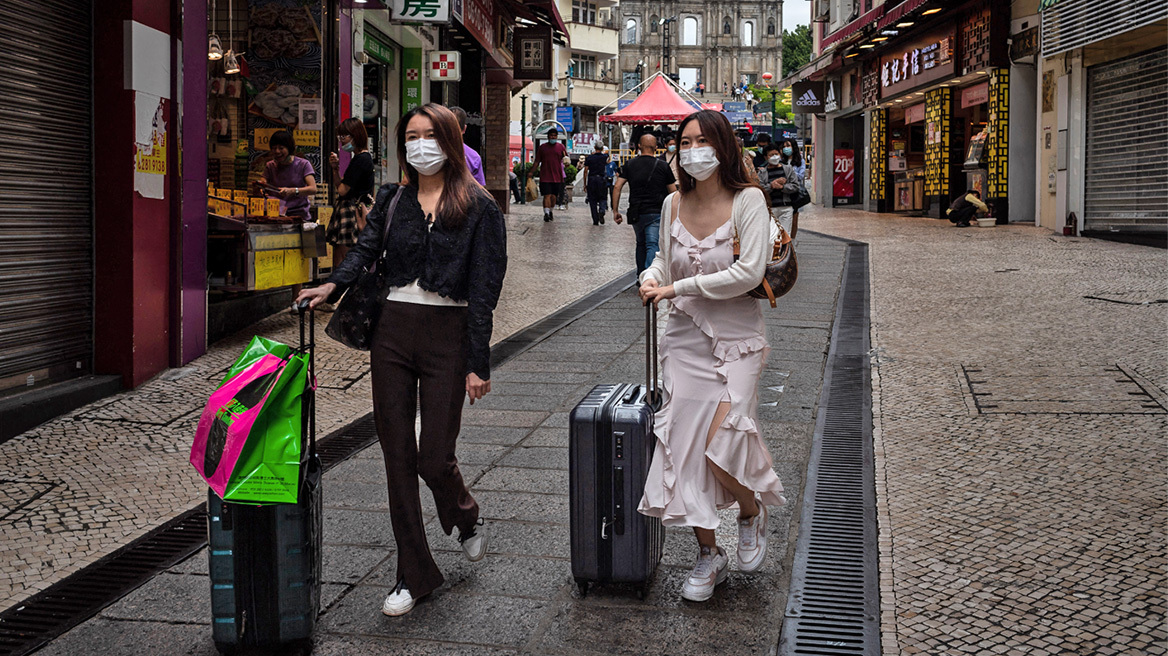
(281, 268)
(304, 138)
(155, 160)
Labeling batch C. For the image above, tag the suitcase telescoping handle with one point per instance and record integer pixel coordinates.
(309, 347)
(652, 393)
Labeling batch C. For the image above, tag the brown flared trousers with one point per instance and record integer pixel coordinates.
(417, 353)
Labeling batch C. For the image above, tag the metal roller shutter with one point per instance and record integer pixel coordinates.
(46, 215)
(1127, 144)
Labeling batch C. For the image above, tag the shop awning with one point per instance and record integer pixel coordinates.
(865, 19)
(899, 12)
(658, 103)
(547, 13)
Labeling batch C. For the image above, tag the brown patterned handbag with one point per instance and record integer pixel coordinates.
(781, 271)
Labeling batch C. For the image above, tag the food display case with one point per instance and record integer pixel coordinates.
(909, 190)
(251, 247)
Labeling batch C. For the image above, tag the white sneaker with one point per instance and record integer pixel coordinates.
(474, 543)
(399, 602)
(710, 570)
(752, 540)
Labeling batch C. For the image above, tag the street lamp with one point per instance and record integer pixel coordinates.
(664, 22)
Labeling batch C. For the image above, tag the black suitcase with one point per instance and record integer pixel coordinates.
(265, 560)
(611, 446)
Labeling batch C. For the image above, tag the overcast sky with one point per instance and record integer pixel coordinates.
(796, 12)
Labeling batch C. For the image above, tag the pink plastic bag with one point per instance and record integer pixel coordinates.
(228, 418)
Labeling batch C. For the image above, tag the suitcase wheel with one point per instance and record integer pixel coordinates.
(582, 584)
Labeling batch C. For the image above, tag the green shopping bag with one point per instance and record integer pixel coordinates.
(248, 444)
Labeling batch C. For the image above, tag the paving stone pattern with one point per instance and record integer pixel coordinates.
(79, 487)
(1022, 520)
(513, 450)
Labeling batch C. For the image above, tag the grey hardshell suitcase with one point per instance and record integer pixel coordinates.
(265, 560)
(611, 447)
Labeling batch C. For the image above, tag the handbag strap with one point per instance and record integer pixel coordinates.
(389, 219)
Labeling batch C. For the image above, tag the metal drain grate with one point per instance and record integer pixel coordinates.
(29, 625)
(833, 605)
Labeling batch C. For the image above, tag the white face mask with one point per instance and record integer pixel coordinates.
(425, 155)
(775, 160)
(699, 161)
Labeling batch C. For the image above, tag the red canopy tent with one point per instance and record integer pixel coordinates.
(658, 103)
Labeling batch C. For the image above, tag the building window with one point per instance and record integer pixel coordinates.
(630, 31)
(653, 22)
(583, 12)
(771, 27)
(748, 34)
(726, 26)
(585, 66)
(689, 31)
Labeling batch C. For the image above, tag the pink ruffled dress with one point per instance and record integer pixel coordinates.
(712, 351)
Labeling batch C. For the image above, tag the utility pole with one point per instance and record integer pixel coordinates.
(523, 147)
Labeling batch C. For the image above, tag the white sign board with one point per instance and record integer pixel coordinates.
(445, 66)
(420, 11)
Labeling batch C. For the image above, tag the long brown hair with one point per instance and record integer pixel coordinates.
(460, 191)
(718, 131)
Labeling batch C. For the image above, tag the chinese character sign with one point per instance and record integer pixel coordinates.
(445, 66)
(411, 79)
(421, 11)
(533, 53)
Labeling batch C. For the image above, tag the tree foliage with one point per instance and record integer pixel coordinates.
(796, 49)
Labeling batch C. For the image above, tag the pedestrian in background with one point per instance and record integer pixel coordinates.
(516, 192)
(610, 172)
(354, 191)
(760, 145)
(549, 160)
(288, 177)
(965, 208)
(474, 161)
(445, 255)
(649, 180)
(773, 177)
(594, 167)
(670, 155)
(793, 157)
(710, 455)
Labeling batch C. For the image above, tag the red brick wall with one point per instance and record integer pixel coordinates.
(497, 141)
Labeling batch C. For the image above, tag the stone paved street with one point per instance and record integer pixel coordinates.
(81, 486)
(513, 450)
(1020, 437)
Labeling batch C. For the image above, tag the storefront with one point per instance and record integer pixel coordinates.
(256, 250)
(940, 124)
(380, 101)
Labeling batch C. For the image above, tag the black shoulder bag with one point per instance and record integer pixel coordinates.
(355, 320)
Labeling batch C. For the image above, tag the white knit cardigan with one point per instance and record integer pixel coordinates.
(756, 234)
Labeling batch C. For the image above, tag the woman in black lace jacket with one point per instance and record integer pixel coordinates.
(445, 257)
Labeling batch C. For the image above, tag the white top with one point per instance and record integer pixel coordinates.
(412, 293)
(757, 233)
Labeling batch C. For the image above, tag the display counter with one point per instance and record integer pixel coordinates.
(245, 255)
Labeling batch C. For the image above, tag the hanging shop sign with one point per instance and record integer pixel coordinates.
(808, 97)
(928, 59)
(411, 94)
(445, 66)
(479, 19)
(533, 50)
(1026, 43)
(831, 96)
(420, 11)
(976, 95)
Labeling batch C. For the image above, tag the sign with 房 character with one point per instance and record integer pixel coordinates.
(420, 11)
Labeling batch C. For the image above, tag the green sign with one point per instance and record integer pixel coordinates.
(411, 79)
(378, 50)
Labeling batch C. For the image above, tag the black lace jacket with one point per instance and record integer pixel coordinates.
(463, 264)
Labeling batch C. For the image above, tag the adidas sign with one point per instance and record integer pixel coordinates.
(807, 99)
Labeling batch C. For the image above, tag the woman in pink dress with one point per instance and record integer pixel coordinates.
(709, 454)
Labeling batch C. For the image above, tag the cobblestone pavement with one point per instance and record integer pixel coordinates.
(513, 451)
(1020, 437)
(79, 487)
